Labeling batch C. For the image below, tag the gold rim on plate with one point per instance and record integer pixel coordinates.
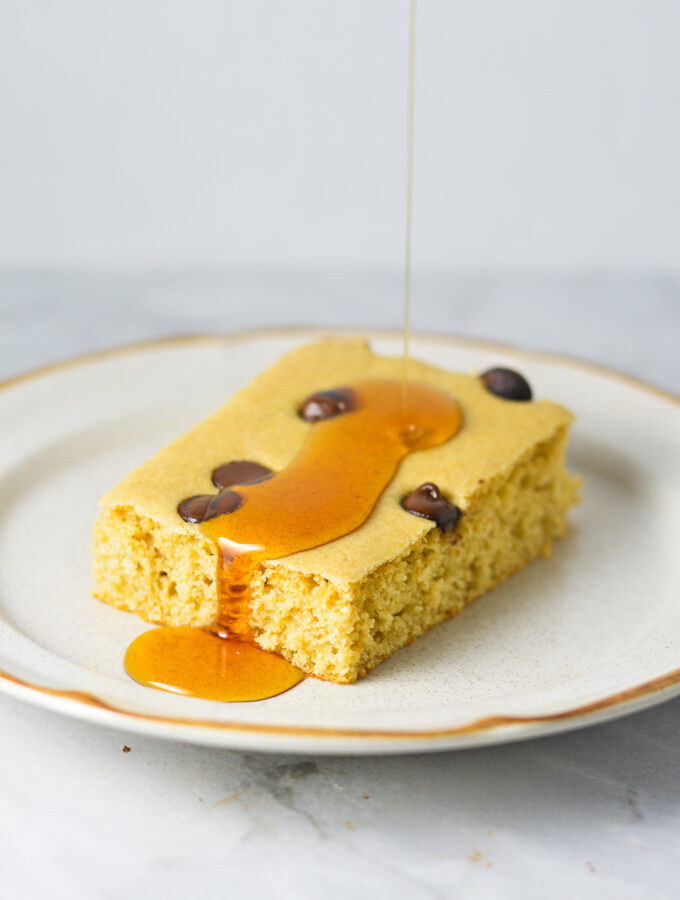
(618, 701)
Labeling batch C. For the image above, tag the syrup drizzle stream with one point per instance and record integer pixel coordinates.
(409, 194)
(328, 490)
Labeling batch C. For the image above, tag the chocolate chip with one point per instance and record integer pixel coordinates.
(507, 383)
(240, 471)
(427, 501)
(223, 503)
(193, 509)
(327, 404)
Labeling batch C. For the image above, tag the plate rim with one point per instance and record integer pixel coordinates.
(483, 730)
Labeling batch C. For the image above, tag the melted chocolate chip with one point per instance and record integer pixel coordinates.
(427, 501)
(507, 383)
(193, 509)
(327, 404)
(206, 506)
(223, 503)
(240, 471)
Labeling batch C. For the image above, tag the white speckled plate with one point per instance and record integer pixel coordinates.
(591, 633)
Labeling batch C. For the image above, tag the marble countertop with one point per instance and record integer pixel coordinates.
(90, 812)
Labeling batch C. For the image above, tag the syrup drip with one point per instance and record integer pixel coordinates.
(409, 193)
(327, 491)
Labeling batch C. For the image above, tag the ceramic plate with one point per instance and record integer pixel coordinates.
(589, 634)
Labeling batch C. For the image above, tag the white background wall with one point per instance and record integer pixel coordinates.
(215, 132)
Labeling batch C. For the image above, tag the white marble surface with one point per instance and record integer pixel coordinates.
(594, 813)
